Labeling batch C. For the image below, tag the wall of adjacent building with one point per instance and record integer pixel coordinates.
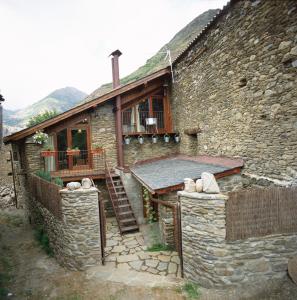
(238, 85)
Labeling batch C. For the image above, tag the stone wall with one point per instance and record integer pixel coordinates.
(75, 239)
(5, 164)
(103, 131)
(134, 193)
(31, 156)
(135, 152)
(237, 83)
(213, 262)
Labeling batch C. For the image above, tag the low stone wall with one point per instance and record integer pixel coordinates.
(134, 192)
(213, 262)
(75, 239)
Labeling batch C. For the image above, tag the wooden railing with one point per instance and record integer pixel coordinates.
(84, 162)
(47, 194)
(130, 127)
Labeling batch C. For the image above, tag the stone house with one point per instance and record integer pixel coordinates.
(231, 110)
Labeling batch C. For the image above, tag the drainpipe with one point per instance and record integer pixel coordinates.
(116, 83)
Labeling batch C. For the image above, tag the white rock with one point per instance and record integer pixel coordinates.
(199, 186)
(73, 186)
(86, 183)
(190, 186)
(209, 183)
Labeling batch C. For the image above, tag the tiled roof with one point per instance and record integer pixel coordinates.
(169, 172)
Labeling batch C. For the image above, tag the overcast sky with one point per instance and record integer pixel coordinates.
(50, 44)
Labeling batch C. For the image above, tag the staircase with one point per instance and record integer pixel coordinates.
(120, 202)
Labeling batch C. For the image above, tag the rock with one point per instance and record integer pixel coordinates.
(199, 186)
(136, 264)
(127, 258)
(292, 268)
(175, 259)
(284, 45)
(294, 51)
(164, 258)
(210, 185)
(118, 249)
(162, 266)
(153, 271)
(73, 186)
(111, 243)
(151, 262)
(190, 186)
(86, 183)
(172, 268)
(124, 266)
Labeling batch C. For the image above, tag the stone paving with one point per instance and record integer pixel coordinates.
(130, 252)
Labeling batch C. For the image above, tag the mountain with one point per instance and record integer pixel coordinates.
(66, 98)
(60, 100)
(176, 45)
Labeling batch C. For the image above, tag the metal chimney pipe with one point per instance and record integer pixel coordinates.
(116, 83)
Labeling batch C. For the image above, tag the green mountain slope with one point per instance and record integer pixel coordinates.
(60, 100)
(176, 45)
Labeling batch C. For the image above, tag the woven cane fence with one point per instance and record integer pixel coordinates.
(46, 193)
(260, 212)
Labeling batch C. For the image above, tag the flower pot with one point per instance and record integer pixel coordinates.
(141, 140)
(177, 138)
(97, 151)
(166, 138)
(154, 139)
(127, 140)
(47, 153)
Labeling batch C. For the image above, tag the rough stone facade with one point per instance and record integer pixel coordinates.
(31, 155)
(237, 84)
(213, 262)
(75, 239)
(134, 192)
(5, 164)
(103, 131)
(135, 152)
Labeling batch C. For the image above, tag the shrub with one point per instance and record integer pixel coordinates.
(44, 175)
(159, 247)
(48, 114)
(58, 181)
(42, 237)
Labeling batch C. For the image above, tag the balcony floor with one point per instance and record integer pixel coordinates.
(73, 175)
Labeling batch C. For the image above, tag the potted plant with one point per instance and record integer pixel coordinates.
(166, 137)
(154, 139)
(74, 152)
(47, 151)
(97, 149)
(177, 138)
(127, 139)
(140, 139)
(40, 137)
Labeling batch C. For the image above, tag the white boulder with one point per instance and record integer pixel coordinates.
(209, 182)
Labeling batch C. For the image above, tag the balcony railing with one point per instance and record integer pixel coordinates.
(143, 122)
(75, 163)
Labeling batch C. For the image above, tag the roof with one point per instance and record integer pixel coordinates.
(161, 174)
(85, 106)
(205, 30)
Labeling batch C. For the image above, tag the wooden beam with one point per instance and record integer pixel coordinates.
(91, 104)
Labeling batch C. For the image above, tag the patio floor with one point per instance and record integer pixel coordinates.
(128, 252)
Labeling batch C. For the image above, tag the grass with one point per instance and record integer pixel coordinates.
(159, 247)
(191, 290)
(42, 237)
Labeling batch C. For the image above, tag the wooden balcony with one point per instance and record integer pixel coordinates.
(75, 165)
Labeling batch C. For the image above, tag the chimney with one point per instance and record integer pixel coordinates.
(115, 68)
(118, 120)
(1, 121)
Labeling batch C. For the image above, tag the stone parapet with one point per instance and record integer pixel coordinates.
(213, 262)
(75, 239)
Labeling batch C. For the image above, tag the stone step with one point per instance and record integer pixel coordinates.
(129, 228)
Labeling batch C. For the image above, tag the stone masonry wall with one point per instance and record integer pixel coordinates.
(75, 239)
(5, 164)
(238, 84)
(103, 131)
(32, 159)
(135, 152)
(213, 262)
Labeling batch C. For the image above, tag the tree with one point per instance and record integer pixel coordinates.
(48, 114)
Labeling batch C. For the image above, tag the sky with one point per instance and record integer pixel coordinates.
(51, 44)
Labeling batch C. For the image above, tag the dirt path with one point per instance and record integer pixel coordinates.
(26, 272)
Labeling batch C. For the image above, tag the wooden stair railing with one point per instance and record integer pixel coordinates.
(120, 202)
